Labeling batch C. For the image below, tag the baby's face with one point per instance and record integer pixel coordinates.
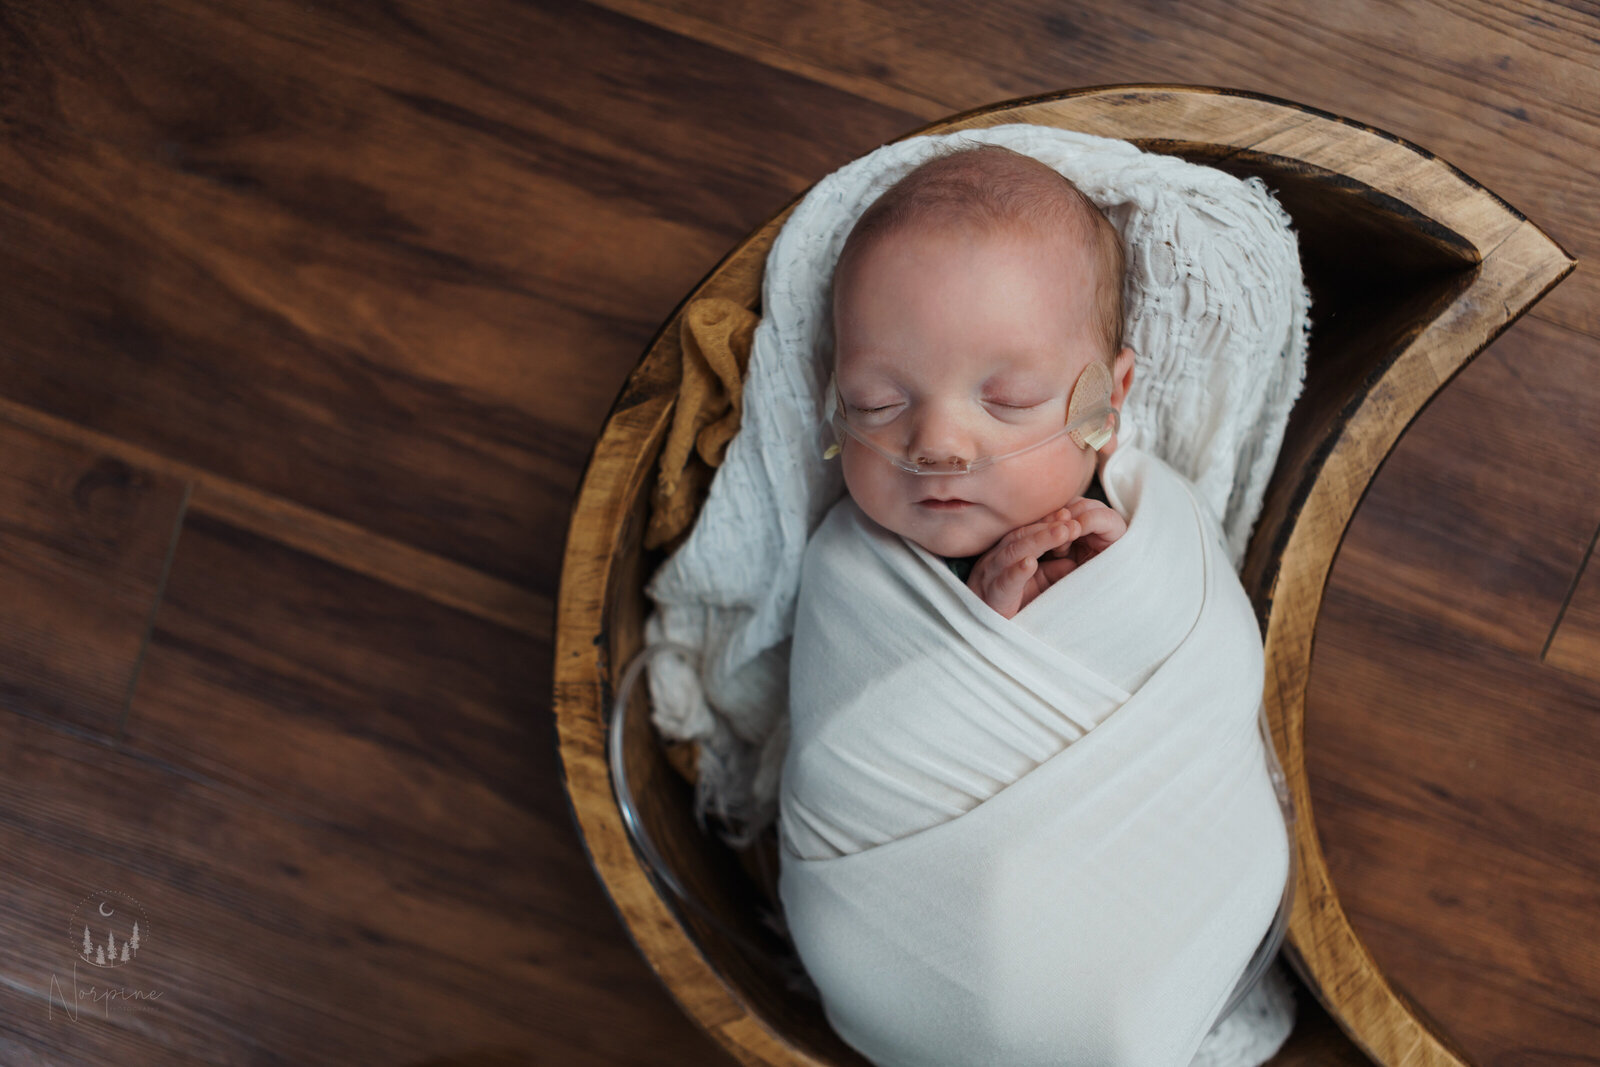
(953, 343)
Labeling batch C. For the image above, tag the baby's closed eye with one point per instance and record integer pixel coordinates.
(1022, 409)
(877, 412)
(1014, 405)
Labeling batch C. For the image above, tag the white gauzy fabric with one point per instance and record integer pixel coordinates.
(1216, 310)
(1043, 841)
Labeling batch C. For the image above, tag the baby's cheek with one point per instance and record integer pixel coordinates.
(1035, 490)
(866, 488)
(853, 482)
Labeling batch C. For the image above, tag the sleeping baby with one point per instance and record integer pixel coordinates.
(1025, 815)
(972, 304)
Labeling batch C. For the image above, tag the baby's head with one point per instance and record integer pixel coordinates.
(967, 302)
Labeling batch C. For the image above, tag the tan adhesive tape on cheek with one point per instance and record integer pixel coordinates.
(1093, 390)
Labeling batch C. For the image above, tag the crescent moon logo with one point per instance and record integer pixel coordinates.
(109, 929)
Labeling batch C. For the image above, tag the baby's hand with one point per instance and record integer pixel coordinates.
(1032, 558)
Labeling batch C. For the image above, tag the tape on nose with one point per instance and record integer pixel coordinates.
(1093, 389)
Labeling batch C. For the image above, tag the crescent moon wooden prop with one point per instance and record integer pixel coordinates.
(1458, 266)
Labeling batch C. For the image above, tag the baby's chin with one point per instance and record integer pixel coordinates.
(954, 543)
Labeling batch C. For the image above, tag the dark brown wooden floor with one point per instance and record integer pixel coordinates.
(308, 315)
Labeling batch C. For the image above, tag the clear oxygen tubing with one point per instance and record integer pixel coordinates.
(789, 968)
(1080, 426)
(1105, 415)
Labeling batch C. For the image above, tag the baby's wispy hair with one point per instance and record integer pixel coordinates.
(993, 188)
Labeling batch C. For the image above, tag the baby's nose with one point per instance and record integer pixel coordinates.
(941, 436)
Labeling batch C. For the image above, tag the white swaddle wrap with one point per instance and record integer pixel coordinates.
(1048, 840)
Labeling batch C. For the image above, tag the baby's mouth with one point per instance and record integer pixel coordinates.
(951, 504)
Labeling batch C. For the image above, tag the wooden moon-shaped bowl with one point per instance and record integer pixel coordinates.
(1413, 269)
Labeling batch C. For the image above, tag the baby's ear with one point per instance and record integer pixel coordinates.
(1121, 377)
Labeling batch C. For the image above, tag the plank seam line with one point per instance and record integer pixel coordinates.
(311, 531)
(155, 608)
(774, 55)
(1536, 314)
(1571, 592)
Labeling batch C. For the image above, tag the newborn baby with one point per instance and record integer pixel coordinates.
(969, 301)
(1019, 824)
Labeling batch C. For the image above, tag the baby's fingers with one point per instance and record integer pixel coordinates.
(1100, 526)
(1054, 570)
(1032, 540)
(1050, 536)
(1000, 584)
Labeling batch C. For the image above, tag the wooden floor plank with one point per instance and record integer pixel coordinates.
(337, 697)
(84, 543)
(324, 536)
(709, 23)
(356, 278)
(34, 1034)
(1575, 640)
(341, 804)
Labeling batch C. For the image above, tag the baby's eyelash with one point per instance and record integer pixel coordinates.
(881, 408)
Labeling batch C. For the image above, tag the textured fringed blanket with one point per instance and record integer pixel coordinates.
(1045, 840)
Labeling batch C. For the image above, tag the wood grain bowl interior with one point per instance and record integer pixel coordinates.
(1413, 269)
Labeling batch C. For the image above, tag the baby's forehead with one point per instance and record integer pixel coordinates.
(909, 241)
(956, 255)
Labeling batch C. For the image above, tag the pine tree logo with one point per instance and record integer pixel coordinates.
(109, 928)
